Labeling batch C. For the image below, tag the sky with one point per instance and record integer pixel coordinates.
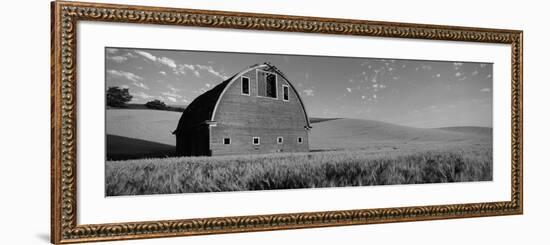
(417, 93)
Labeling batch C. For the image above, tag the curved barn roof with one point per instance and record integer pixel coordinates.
(203, 108)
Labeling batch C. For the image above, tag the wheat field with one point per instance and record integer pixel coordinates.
(297, 170)
(344, 152)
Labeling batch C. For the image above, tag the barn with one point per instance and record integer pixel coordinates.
(257, 110)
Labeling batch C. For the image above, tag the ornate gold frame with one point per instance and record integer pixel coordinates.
(65, 15)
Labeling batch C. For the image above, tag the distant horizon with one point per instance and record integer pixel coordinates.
(318, 117)
(415, 93)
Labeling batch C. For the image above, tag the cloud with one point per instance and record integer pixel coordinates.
(211, 70)
(202, 90)
(112, 50)
(135, 79)
(309, 92)
(171, 99)
(170, 94)
(141, 95)
(457, 65)
(188, 67)
(131, 55)
(127, 75)
(159, 60)
(117, 59)
(168, 62)
(349, 90)
(423, 67)
(172, 88)
(195, 69)
(147, 55)
(182, 68)
(485, 90)
(140, 85)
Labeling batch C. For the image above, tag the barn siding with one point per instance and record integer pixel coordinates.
(241, 141)
(241, 117)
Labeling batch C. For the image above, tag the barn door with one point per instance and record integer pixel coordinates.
(204, 143)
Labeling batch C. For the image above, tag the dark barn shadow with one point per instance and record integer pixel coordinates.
(124, 148)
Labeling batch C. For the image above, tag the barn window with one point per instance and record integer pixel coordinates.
(279, 140)
(271, 85)
(255, 140)
(285, 92)
(245, 85)
(300, 140)
(226, 141)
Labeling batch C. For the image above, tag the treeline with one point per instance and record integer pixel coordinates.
(117, 97)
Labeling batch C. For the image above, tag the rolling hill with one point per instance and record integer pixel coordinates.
(145, 131)
(358, 133)
(471, 130)
(149, 125)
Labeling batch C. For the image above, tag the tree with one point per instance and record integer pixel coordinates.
(156, 104)
(118, 97)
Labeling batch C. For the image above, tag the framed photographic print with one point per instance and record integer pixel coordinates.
(175, 122)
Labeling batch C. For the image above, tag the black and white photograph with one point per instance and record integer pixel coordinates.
(191, 121)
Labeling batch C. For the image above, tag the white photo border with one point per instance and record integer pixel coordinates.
(95, 208)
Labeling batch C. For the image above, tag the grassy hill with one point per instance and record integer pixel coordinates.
(365, 134)
(344, 152)
(131, 106)
(482, 131)
(143, 132)
(150, 125)
(139, 133)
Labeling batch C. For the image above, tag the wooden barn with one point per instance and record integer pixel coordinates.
(257, 110)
